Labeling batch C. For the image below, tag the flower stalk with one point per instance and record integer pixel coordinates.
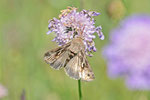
(79, 88)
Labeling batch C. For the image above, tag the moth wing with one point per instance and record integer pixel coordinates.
(61, 61)
(72, 68)
(79, 68)
(56, 57)
(86, 71)
(52, 55)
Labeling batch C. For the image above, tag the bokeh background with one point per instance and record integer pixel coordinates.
(23, 42)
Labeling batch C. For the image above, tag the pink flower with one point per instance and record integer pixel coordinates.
(128, 53)
(3, 91)
(76, 24)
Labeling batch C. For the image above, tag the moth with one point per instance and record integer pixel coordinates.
(72, 58)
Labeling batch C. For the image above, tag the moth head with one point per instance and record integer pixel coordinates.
(87, 75)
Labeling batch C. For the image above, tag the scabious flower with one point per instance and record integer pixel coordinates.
(75, 24)
(3, 91)
(128, 53)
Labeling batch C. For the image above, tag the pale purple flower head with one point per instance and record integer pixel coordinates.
(128, 54)
(3, 91)
(75, 24)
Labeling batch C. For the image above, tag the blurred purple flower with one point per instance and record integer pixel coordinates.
(75, 24)
(128, 54)
(3, 91)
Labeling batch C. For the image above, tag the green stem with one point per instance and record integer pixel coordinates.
(79, 81)
(79, 88)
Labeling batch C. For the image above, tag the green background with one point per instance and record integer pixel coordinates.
(23, 42)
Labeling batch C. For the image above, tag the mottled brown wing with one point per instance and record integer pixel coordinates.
(86, 73)
(61, 61)
(57, 57)
(72, 68)
(79, 68)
